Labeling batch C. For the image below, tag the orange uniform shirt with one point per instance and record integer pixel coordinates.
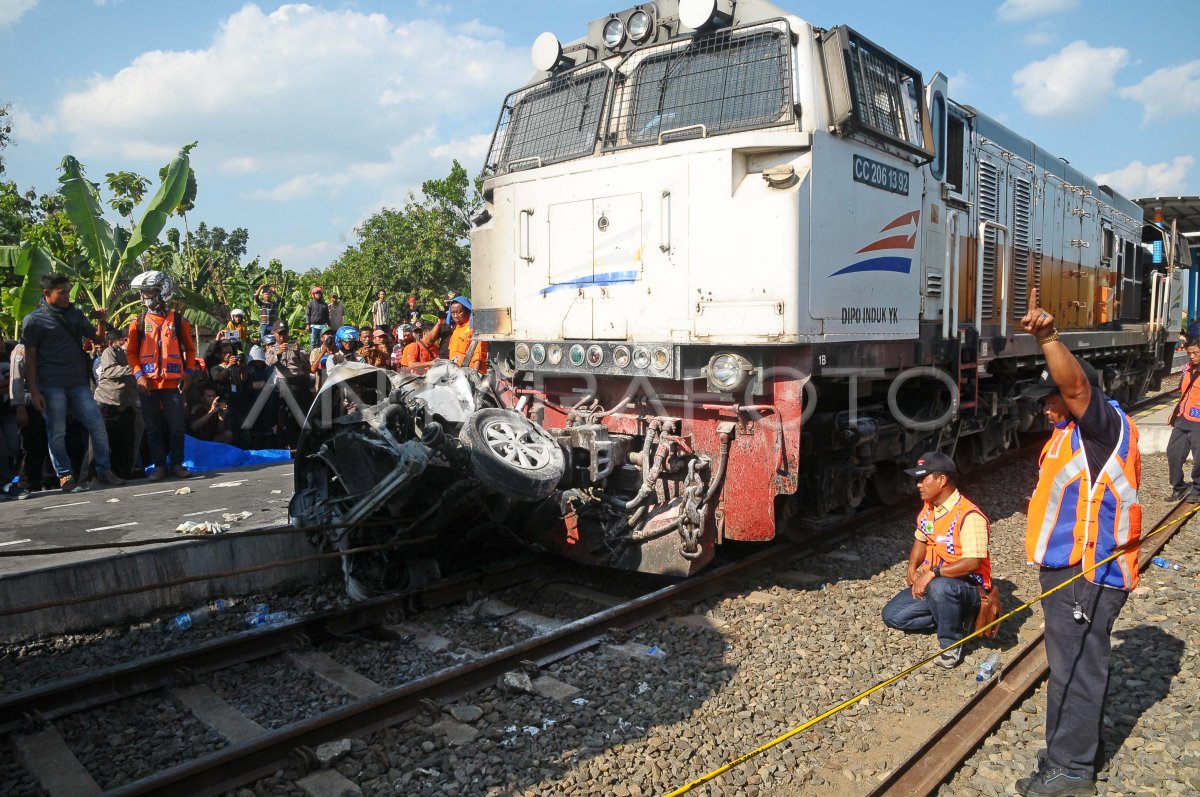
(460, 343)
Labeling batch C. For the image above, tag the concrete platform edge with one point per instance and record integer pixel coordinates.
(150, 566)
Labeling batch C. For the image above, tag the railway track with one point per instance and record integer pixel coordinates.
(260, 754)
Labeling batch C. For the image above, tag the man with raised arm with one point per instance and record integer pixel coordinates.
(1085, 508)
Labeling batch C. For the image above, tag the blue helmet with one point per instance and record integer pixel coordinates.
(347, 334)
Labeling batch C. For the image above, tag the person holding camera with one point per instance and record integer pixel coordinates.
(210, 418)
(291, 364)
(117, 396)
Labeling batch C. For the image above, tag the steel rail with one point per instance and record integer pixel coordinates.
(60, 698)
(234, 766)
(924, 771)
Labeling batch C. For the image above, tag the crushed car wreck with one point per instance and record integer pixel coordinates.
(416, 468)
(406, 473)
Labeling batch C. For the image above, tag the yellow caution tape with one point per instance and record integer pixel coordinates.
(883, 684)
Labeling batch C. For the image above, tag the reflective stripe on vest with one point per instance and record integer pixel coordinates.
(1074, 519)
(944, 545)
(1188, 407)
(160, 354)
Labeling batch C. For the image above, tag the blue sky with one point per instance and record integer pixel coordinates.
(312, 117)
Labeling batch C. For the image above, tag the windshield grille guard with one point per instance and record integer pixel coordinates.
(728, 81)
(555, 120)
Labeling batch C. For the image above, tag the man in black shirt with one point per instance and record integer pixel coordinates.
(1084, 509)
(59, 375)
(316, 317)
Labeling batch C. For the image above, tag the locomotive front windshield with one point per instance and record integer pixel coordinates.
(723, 82)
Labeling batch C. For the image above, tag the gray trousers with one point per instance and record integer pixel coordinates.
(1079, 654)
(1181, 443)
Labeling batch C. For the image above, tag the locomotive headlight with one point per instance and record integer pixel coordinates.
(614, 33)
(661, 358)
(538, 352)
(727, 372)
(595, 355)
(576, 355)
(621, 356)
(554, 354)
(640, 26)
(522, 352)
(641, 358)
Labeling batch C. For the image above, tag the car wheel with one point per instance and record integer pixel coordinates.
(511, 455)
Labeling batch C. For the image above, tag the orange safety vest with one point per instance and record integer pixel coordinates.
(415, 353)
(1074, 518)
(943, 540)
(162, 348)
(460, 344)
(1188, 407)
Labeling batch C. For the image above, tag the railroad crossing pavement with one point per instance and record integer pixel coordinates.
(142, 510)
(1153, 429)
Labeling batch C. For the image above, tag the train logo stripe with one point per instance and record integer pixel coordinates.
(897, 265)
(611, 278)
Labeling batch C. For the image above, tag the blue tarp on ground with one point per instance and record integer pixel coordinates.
(200, 456)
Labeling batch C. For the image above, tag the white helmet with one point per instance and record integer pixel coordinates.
(236, 311)
(152, 280)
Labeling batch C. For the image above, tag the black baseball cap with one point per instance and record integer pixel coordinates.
(1045, 385)
(280, 326)
(932, 462)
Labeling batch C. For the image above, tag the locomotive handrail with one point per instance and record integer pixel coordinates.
(951, 270)
(1003, 279)
(524, 233)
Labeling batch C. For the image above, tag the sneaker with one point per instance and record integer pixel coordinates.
(1054, 781)
(14, 492)
(68, 485)
(180, 472)
(158, 474)
(110, 479)
(950, 658)
(1179, 494)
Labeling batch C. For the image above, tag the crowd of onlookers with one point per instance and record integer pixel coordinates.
(84, 401)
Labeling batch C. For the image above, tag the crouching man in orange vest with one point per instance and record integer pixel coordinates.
(949, 560)
(162, 354)
(1084, 509)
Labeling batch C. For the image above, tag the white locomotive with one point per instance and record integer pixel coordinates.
(745, 269)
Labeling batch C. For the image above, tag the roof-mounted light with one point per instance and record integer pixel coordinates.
(547, 54)
(640, 25)
(699, 14)
(614, 33)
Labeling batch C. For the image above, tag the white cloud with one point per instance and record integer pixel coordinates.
(1172, 91)
(12, 10)
(1156, 179)
(1073, 82)
(1040, 36)
(1017, 10)
(468, 151)
(305, 91)
(30, 128)
(320, 252)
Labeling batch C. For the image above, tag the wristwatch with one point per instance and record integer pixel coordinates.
(936, 570)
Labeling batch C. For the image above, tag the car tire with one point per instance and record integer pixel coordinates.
(511, 455)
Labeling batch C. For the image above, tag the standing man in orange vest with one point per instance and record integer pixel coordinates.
(162, 354)
(948, 563)
(458, 312)
(1085, 508)
(1185, 428)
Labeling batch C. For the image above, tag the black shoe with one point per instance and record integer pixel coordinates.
(1054, 781)
(1179, 494)
(1193, 498)
(14, 492)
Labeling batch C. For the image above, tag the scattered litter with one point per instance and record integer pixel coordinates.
(207, 527)
(656, 652)
(226, 484)
(547, 724)
(113, 501)
(642, 689)
(426, 772)
(511, 729)
(514, 681)
(579, 701)
(277, 492)
(184, 491)
(260, 620)
(234, 517)
(532, 730)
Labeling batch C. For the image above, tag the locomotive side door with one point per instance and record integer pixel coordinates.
(989, 283)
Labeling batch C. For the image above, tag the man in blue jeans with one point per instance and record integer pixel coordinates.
(948, 564)
(59, 377)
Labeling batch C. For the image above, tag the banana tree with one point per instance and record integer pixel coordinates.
(29, 262)
(110, 254)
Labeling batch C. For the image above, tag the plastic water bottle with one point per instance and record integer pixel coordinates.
(656, 652)
(182, 622)
(262, 620)
(987, 667)
(1166, 564)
